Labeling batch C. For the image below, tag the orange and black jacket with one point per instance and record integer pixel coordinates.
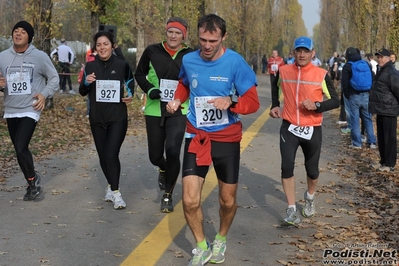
(298, 84)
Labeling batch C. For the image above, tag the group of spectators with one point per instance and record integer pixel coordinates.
(381, 99)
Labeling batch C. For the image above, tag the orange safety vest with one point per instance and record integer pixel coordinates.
(298, 84)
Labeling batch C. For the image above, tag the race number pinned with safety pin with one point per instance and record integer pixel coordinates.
(167, 88)
(206, 114)
(302, 132)
(18, 83)
(108, 91)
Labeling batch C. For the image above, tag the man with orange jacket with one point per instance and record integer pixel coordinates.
(304, 87)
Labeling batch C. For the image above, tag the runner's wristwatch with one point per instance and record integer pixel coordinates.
(234, 100)
(318, 105)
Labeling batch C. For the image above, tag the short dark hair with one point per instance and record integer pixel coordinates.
(211, 22)
(109, 35)
(178, 19)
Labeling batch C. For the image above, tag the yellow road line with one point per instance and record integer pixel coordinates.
(150, 250)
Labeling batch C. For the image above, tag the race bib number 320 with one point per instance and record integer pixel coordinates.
(207, 115)
(108, 91)
(302, 132)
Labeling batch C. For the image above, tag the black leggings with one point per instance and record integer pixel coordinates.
(165, 135)
(21, 131)
(108, 141)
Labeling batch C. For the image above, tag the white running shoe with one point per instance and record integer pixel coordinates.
(108, 194)
(119, 203)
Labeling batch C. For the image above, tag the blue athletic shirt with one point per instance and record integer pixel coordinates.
(230, 74)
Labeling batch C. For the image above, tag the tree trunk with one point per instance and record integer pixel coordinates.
(140, 33)
(41, 24)
(95, 17)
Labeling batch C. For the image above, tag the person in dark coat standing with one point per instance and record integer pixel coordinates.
(264, 64)
(384, 102)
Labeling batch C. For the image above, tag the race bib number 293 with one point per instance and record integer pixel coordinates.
(305, 132)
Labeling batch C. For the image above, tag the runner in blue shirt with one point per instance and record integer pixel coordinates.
(220, 85)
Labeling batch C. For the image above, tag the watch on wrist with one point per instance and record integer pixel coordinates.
(318, 105)
(234, 100)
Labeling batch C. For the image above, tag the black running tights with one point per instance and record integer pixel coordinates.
(165, 136)
(21, 131)
(108, 141)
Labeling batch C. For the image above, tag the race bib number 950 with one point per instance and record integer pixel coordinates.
(167, 88)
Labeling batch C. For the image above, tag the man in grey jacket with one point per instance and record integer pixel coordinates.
(28, 77)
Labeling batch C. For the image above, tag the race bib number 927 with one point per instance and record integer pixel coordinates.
(108, 91)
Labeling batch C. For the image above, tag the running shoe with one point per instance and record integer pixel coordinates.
(218, 250)
(355, 147)
(72, 92)
(386, 169)
(108, 194)
(373, 146)
(346, 130)
(292, 218)
(376, 166)
(119, 203)
(161, 179)
(309, 209)
(166, 203)
(200, 256)
(27, 194)
(34, 188)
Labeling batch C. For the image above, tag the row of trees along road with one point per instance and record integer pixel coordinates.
(366, 24)
(254, 26)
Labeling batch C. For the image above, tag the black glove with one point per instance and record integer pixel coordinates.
(155, 94)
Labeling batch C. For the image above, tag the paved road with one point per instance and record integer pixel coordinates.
(71, 225)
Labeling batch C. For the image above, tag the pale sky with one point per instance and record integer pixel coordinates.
(310, 14)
